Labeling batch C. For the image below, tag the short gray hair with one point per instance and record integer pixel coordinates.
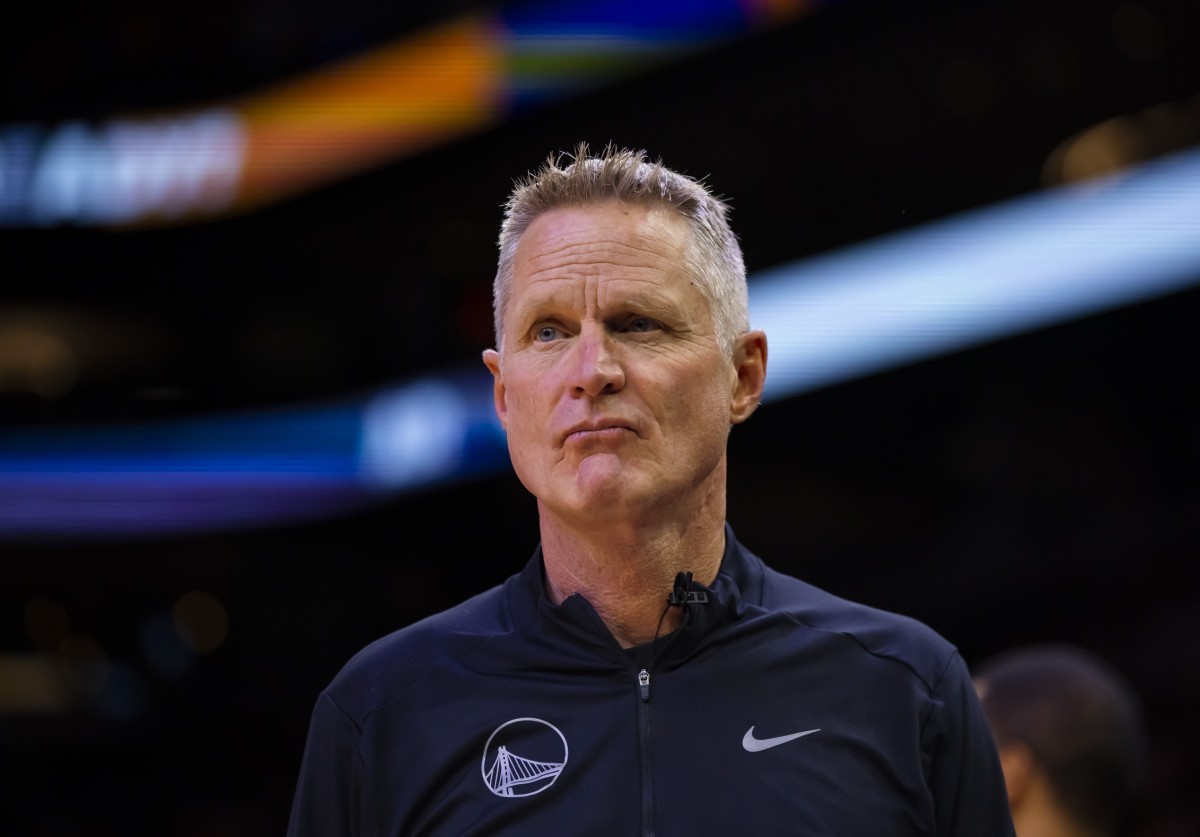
(713, 256)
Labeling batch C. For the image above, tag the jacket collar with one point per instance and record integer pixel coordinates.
(575, 627)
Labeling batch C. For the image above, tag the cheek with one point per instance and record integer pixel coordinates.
(528, 415)
(526, 407)
(699, 409)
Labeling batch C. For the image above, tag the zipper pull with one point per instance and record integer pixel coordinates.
(644, 684)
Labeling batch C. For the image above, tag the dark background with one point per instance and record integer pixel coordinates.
(1044, 487)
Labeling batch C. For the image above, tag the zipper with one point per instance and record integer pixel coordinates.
(644, 749)
(643, 683)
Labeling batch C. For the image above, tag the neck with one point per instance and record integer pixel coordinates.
(626, 572)
(1038, 814)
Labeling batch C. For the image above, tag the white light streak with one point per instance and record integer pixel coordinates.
(980, 276)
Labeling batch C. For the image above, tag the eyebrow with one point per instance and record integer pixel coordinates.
(531, 307)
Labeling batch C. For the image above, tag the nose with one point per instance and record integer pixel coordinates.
(598, 369)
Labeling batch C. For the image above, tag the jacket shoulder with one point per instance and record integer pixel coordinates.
(881, 633)
(388, 668)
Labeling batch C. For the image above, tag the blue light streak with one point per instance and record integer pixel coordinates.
(980, 276)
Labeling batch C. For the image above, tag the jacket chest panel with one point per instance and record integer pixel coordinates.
(572, 756)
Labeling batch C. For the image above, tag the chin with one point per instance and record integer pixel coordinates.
(602, 501)
(597, 500)
(606, 480)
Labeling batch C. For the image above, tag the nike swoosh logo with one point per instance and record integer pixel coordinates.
(757, 745)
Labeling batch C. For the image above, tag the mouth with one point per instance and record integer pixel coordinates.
(597, 431)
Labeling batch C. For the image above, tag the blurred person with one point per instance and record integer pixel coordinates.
(1071, 738)
(645, 673)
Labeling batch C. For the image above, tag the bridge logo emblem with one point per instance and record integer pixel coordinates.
(523, 757)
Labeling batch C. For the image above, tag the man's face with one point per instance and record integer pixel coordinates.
(611, 384)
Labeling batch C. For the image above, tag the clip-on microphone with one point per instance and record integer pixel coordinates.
(683, 594)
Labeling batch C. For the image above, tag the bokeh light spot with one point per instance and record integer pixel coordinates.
(124, 696)
(163, 648)
(201, 620)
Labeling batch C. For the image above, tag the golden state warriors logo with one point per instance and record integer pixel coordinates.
(523, 757)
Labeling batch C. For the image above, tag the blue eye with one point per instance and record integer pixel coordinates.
(546, 333)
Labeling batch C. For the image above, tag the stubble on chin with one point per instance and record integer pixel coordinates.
(594, 487)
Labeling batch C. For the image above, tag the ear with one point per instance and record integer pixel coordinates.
(750, 366)
(491, 359)
(1016, 761)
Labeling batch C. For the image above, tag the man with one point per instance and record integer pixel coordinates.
(645, 674)
(1071, 739)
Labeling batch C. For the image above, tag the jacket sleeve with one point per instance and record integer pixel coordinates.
(330, 796)
(962, 766)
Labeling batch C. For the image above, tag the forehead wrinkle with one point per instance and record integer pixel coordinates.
(589, 257)
(639, 291)
(575, 291)
(608, 260)
(551, 291)
(605, 270)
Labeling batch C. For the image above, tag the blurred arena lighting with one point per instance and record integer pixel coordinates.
(250, 468)
(419, 91)
(982, 275)
(163, 648)
(124, 696)
(201, 621)
(979, 276)
(35, 360)
(1123, 141)
(33, 683)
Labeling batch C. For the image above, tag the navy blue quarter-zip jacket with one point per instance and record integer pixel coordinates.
(776, 709)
